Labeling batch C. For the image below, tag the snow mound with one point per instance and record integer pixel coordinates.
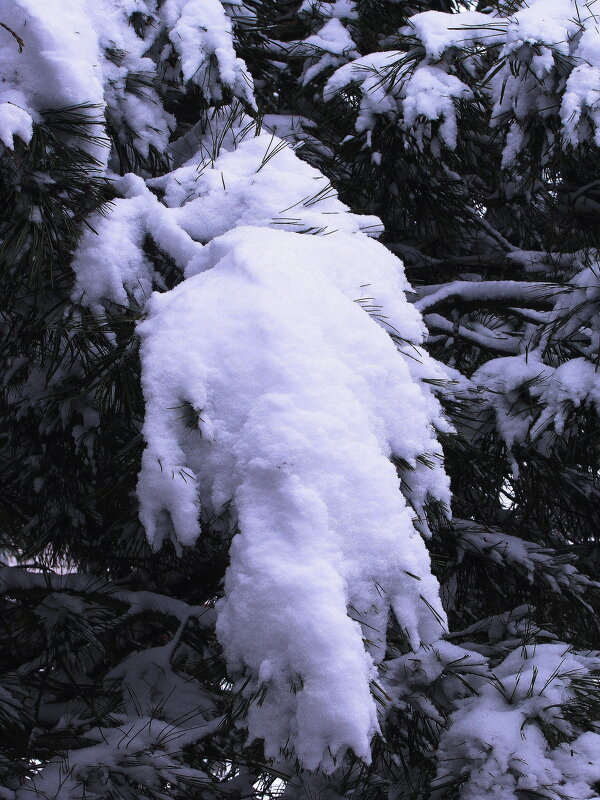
(284, 408)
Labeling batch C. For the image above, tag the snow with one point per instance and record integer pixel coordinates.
(502, 381)
(332, 38)
(538, 562)
(259, 182)
(547, 62)
(431, 93)
(369, 72)
(300, 379)
(521, 292)
(59, 65)
(556, 391)
(495, 743)
(331, 44)
(200, 30)
(297, 446)
(85, 54)
(438, 32)
(14, 121)
(110, 263)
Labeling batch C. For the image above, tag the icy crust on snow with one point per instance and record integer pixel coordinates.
(557, 42)
(495, 741)
(283, 409)
(260, 182)
(85, 53)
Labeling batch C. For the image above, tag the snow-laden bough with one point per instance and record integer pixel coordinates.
(301, 399)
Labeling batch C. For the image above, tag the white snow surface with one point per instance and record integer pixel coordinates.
(110, 264)
(260, 182)
(439, 32)
(506, 382)
(299, 400)
(57, 66)
(201, 32)
(280, 377)
(14, 121)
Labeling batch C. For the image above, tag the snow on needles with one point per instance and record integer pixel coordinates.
(55, 64)
(298, 399)
(86, 55)
(258, 182)
(546, 63)
(278, 396)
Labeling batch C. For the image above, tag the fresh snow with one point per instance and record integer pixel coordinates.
(260, 181)
(557, 44)
(494, 740)
(301, 398)
(286, 387)
(57, 66)
(200, 30)
(300, 379)
(85, 54)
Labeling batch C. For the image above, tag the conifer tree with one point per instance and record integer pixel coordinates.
(276, 522)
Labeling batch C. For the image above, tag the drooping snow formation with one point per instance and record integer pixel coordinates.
(282, 374)
(546, 63)
(301, 399)
(274, 389)
(283, 410)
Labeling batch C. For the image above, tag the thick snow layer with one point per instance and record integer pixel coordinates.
(284, 407)
(260, 181)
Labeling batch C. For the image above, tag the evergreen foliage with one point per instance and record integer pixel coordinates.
(118, 679)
